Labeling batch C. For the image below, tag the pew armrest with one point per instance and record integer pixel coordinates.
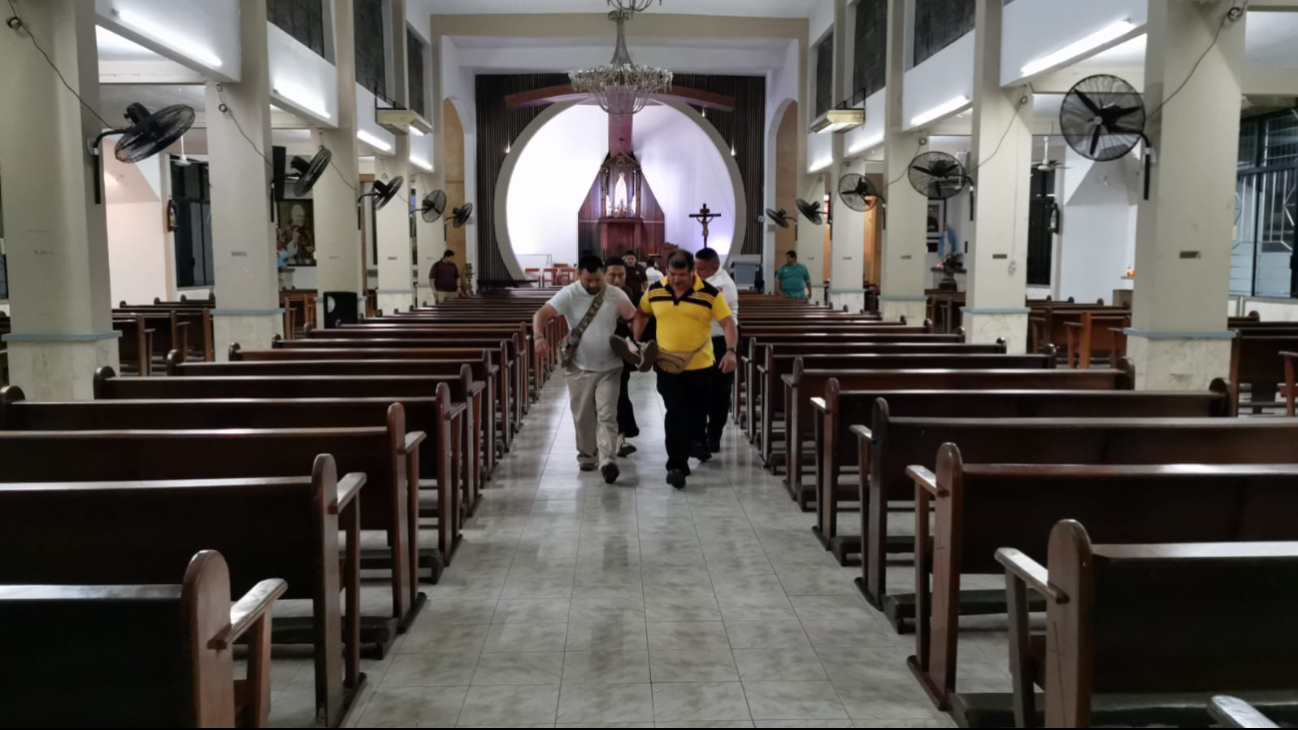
(819, 405)
(250, 609)
(413, 439)
(349, 487)
(923, 476)
(477, 387)
(1233, 712)
(863, 432)
(1030, 573)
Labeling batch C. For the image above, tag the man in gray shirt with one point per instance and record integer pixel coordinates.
(594, 370)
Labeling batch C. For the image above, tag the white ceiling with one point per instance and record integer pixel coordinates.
(1270, 39)
(113, 47)
(746, 8)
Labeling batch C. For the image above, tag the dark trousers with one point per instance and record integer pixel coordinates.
(626, 424)
(686, 399)
(720, 393)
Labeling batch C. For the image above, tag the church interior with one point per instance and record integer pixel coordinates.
(1006, 300)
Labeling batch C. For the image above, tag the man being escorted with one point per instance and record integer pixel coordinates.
(592, 309)
(685, 307)
(615, 273)
(708, 265)
(793, 280)
(444, 278)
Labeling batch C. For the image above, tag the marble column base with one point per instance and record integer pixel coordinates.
(915, 312)
(854, 301)
(61, 370)
(251, 331)
(987, 327)
(391, 302)
(424, 296)
(1191, 363)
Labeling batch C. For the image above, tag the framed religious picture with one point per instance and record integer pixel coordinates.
(936, 217)
(172, 214)
(295, 232)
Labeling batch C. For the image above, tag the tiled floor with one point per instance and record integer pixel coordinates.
(573, 603)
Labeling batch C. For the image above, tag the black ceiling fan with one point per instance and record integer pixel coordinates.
(937, 175)
(811, 211)
(858, 193)
(432, 206)
(148, 134)
(381, 195)
(778, 217)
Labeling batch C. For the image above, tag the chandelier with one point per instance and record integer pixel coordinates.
(632, 6)
(620, 86)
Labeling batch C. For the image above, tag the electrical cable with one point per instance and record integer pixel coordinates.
(18, 24)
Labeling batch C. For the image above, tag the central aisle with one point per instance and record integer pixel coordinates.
(575, 602)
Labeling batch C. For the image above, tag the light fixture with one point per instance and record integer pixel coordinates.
(1077, 48)
(421, 163)
(168, 38)
(632, 6)
(373, 141)
(415, 132)
(838, 121)
(316, 107)
(621, 86)
(867, 144)
(940, 111)
(821, 165)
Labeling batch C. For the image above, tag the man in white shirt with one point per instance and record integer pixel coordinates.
(652, 273)
(594, 369)
(708, 265)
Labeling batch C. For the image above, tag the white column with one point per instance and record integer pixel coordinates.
(905, 237)
(396, 291)
(338, 240)
(57, 237)
(847, 237)
(811, 238)
(1002, 154)
(430, 239)
(243, 249)
(1178, 338)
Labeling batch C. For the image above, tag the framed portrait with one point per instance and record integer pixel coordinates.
(295, 232)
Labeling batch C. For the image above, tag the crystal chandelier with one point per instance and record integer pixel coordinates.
(620, 86)
(632, 6)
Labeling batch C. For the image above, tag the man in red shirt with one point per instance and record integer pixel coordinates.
(445, 278)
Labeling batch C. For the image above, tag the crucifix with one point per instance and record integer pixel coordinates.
(705, 216)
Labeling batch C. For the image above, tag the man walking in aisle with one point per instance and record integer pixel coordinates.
(627, 428)
(793, 280)
(444, 278)
(594, 370)
(685, 307)
(708, 265)
(636, 278)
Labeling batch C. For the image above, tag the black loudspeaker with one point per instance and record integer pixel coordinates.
(279, 171)
(341, 307)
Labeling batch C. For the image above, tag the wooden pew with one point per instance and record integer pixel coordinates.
(287, 527)
(803, 384)
(980, 507)
(196, 319)
(479, 392)
(839, 456)
(771, 378)
(1290, 382)
(385, 455)
(1234, 712)
(157, 655)
(1094, 336)
(1157, 629)
(1257, 361)
(169, 332)
(135, 347)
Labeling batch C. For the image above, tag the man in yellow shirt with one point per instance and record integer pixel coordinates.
(684, 307)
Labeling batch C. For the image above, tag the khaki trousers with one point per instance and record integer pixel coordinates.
(442, 296)
(593, 398)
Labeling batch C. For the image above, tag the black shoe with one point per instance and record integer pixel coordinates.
(676, 478)
(700, 452)
(715, 446)
(587, 467)
(610, 472)
(627, 450)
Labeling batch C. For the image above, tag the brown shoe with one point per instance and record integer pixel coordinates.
(627, 350)
(648, 356)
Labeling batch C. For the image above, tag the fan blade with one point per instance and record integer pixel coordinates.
(1087, 101)
(1123, 111)
(927, 171)
(1095, 139)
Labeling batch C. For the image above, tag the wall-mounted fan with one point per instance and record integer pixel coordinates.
(381, 195)
(938, 175)
(778, 217)
(811, 211)
(460, 216)
(432, 206)
(149, 134)
(303, 173)
(858, 193)
(1103, 119)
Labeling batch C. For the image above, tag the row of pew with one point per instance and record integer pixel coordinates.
(1154, 530)
(154, 528)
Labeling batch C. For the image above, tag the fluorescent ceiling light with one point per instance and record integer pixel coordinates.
(373, 141)
(868, 144)
(1073, 50)
(822, 164)
(415, 132)
(316, 107)
(940, 111)
(168, 38)
(421, 163)
(837, 121)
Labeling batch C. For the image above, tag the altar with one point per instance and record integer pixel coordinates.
(620, 213)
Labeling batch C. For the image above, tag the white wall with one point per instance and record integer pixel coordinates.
(189, 32)
(946, 75)
(1036, 28)
(876, 121)
(137, 236)
(1099, 227)
(365, 105)
(301, 81)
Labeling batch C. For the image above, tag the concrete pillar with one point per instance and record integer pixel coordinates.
(847, 246)
(339, 255)
(1178, 339)
(1002, 153)
(811, 237)
(57, 237)
(905, 237)
(396, 289)
(243, 249)
(430, 239)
